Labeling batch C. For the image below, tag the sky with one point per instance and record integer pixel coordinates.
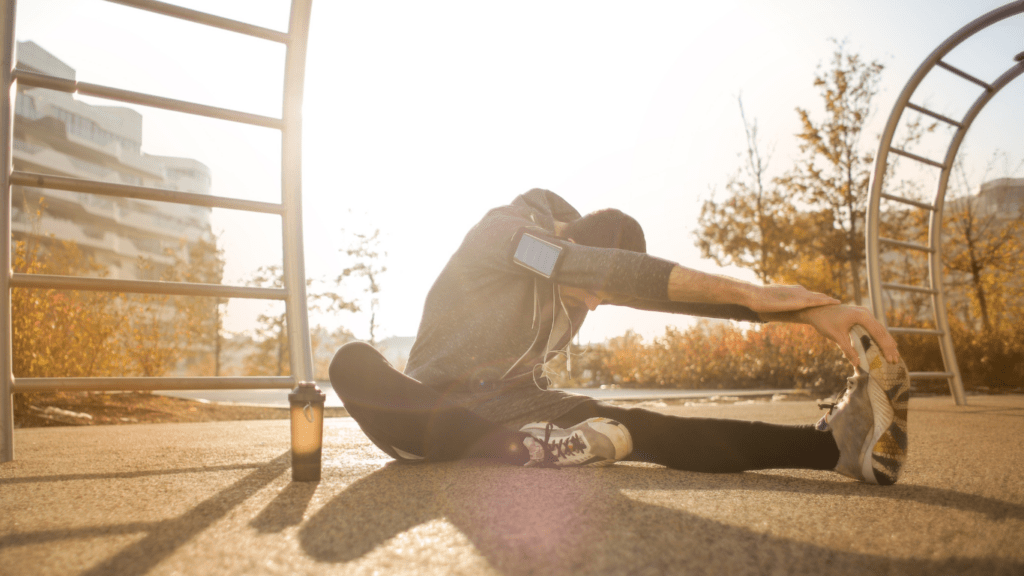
(421, 116)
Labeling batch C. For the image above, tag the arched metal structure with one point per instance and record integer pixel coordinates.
(934, 246)
(290, 209)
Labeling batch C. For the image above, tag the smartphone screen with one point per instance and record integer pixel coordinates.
(537, 255)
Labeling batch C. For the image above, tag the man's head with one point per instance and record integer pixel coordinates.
(608, 228)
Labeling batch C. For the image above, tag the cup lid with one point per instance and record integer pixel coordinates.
(307, 392)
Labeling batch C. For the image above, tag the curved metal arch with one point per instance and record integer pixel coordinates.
(934, 247)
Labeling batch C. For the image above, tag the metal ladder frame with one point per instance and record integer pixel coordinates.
(290, 210)
(934, 247)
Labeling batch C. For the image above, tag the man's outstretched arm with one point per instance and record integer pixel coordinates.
(775, 303)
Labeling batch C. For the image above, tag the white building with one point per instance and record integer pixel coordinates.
(58, 135)
(1003, 197)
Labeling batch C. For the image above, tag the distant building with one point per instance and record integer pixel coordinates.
(56, 134)
(1003, 197)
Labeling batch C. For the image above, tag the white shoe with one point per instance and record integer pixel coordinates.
(593, 441)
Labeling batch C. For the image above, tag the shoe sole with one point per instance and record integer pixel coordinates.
(885, 448)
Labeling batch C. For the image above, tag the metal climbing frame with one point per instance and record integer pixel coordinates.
(934, 247)
(290, 210)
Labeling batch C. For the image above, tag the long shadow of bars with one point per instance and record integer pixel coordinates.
(165, 536)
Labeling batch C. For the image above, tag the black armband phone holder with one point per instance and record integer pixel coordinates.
(536, 254)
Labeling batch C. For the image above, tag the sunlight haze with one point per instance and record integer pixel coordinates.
(421, 116)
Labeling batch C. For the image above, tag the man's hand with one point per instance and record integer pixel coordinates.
(775, 298)
(834, 322)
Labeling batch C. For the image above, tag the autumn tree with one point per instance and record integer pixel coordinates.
(834, 176)
(271, 355)
(271, 339)
(61, 332)
(202, 262)
(325, 344)
(163, 331)
(753, 227)
(983, 250)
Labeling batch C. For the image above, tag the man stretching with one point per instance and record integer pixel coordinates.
(516, 292)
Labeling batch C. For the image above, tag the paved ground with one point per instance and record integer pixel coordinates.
(217, 498)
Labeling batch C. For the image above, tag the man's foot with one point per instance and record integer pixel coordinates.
(593, 441)
(869, 423)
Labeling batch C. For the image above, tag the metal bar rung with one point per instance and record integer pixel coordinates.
(908, 245)
(964, 75)
(53, 282)
(154, 383)
(25, 78)
(140, 192)
(902, 200)
(935, 115)
(930, 375)
(916, 157)
(917, 203)
(919, 331)
(906, 288)
(205, 19)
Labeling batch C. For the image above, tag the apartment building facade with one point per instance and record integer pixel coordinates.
(57, 134)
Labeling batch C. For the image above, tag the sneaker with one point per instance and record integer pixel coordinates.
(869, 423)
(593, 441)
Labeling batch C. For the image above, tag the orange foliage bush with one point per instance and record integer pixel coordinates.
(721, 355)
(713, 355)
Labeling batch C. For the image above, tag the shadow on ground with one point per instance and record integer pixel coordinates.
(583, 521)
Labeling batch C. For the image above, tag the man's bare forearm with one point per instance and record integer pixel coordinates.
(688, 285)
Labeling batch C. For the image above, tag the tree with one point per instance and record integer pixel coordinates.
(61, 332)
(325, 344)
(984, 246)
(753, 227)
(835, 174)
(201, 262)
(85, 333)
(365, 255)
(271, 338)
(164, 331)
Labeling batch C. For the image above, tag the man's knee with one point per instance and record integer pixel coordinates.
(354, 362)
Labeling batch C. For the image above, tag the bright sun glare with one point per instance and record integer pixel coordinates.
(421, 116)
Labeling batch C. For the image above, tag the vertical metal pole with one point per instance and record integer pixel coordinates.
(7, 96)
(296, 308)
(956, 383)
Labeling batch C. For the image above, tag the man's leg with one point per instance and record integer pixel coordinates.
(408, 420)
(714, 445)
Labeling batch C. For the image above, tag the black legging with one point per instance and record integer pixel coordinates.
(402, 415)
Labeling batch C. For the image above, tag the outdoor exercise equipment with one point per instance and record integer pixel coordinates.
(933, 249)
(289, 209)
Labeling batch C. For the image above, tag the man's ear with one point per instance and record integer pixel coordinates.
(560, 228)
